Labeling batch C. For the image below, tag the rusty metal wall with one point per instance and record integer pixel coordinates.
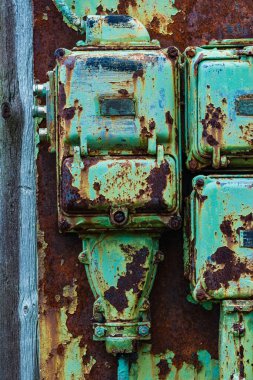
(66, 345)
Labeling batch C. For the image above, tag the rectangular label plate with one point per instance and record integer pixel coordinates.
(244, 105)
(246, 239)
(117, 107)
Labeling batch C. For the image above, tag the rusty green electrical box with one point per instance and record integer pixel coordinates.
(219, 105)
(220, 239)
(113, 119)
(219, 262)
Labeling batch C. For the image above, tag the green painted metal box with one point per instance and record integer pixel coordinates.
(219, 105)
(219, 237)
(118, 136)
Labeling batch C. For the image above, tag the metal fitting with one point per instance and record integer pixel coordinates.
(143, 330)
(40, 111)
(100, 331)
(200, 182)
(190, 52)
(40, 90)
(172, 52)
(175, 222)
(83, 257)
(119, 216)
(238, 329)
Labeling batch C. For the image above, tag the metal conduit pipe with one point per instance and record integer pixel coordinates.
(76, 22)
(123, 367)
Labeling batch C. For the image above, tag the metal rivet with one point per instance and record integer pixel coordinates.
(200, 182)
(191, 52)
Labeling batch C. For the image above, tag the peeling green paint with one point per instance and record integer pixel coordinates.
(157, 15)
(160, 366)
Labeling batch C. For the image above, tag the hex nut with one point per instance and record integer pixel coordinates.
(100, 331)
(143, 330)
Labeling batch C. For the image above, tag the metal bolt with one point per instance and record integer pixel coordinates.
(190, 52)
(100, 331)
(119, 217)
(175, 222)
(143, 330)
(40, 111)
(82, 257)
(200, 182)
(172, 52)
(59, 53)
(40, 89)
(238, 329)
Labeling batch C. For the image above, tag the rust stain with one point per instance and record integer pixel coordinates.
(164, 369)
(226, 227)
(158, 180)
(213, 124)
(133, 279)
(227, 267)
(68, 113)
(138, 74)
(247, 133)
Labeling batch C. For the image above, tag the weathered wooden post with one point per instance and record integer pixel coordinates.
(18, 276)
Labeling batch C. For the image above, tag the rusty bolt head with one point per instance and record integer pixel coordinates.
(200, 182)
(59, 53)
(172, 52)
(119, 217)
(190, 52)
(82, 257)
(175, 222)
(143, 330)
(201, 295)
(100, 331)
(238, 329)
(193, 165)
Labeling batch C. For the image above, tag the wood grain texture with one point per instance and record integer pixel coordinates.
(18, 276)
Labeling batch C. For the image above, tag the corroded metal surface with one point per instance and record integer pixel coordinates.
(181, 329)
(110, 170)
(220, 262)
(236, 339)
(219, 123)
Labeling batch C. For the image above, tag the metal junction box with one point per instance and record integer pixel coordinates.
(117, 129)
(219, 105)
(219, 238)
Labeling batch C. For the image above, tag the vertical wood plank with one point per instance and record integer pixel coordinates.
(18, 276)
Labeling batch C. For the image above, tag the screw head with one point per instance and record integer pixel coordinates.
(59, 53)
(143, 330)
(172, 52)
(175, 222)
(100, 331)
(119, 217)
(190, 52)
(82, 257)
(200, 182)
